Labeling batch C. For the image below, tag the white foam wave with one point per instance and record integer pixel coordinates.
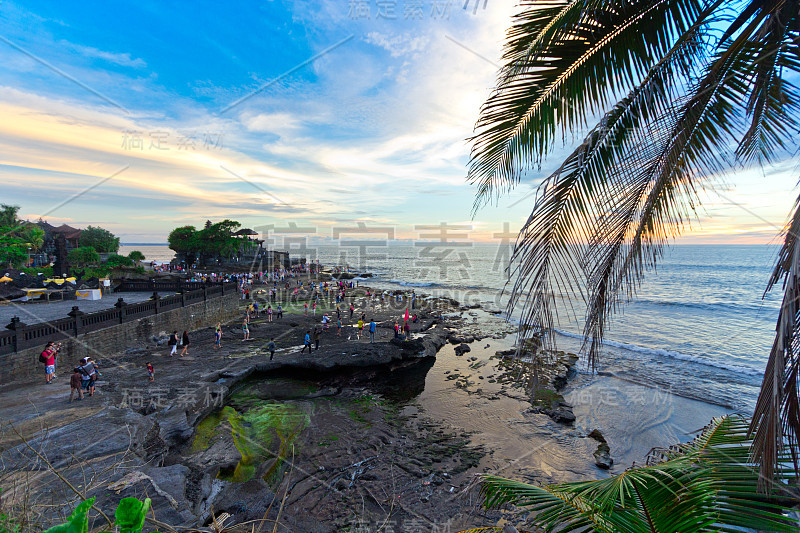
(671, 354)
(412, 283)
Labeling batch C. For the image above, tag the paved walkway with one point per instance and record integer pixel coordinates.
(34, 312)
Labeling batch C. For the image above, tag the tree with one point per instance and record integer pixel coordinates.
(684, 89)
(33, 236)
(8, 215)
(85, 255)
(102, 240)
(217, 240)
(705, 485)
(115, 261)
(13, 250)
(136, 256)
(184, 241)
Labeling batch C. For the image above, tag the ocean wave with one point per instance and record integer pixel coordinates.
(671, 354)
(760, 305)
(412, 283)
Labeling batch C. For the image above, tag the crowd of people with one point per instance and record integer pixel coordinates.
(84, 374)
(328, 294)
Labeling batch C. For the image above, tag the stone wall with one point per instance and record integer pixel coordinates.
(113, 340)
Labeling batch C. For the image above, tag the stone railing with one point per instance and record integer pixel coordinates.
(21, 336)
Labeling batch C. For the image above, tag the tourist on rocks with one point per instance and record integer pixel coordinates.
(325, 321)
(339, 327)
(217, 336)
(271, 348)
(314, 308)
(307, 342)
(406, 329)
(360, 329)
(245, 330)
(269, 313)
(352, 310)
(396, 329)
(48, 358)
(338, 313)
(306, 307)
(185, 342)
(75, 385)
(89, 373)
(280, 311)
(151, 372)
(173, 342)
(372, 328)
(316, 339)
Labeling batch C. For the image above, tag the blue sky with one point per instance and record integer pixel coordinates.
(345, 111)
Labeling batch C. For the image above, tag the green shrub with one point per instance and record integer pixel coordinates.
(85, 255)
(114, 261)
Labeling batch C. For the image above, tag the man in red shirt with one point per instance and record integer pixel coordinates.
(48, 357)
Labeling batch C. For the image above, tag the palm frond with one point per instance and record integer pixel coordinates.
(557, 76)
(549, 257)
(776, 420)
(701, 486)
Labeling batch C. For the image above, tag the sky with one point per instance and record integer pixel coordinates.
(145, 116)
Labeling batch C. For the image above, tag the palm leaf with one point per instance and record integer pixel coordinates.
(704, 485)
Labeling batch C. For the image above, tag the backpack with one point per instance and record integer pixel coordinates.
(42, 358)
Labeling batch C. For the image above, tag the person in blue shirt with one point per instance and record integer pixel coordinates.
(307, 342)
(372, 328)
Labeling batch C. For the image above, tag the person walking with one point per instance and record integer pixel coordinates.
(90, 374)
(271, 348)
(316, 339)
(151, 372)
(173, 341)
(352, 310)
(339, 327)
(218, 336)
(245, 330)
(372, 328)
(359, 329)
(280, 311)
(307, 342)
(75, 385)
(185, 342)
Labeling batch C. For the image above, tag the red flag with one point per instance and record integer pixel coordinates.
(406, 318)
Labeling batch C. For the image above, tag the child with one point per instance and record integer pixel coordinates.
(76, 384)
(151, 372)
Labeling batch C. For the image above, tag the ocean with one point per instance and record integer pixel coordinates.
(699, 327)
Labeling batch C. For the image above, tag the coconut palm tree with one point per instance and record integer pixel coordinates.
(671, 92)
(704, 485)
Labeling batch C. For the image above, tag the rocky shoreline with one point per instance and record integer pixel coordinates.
(208, 436)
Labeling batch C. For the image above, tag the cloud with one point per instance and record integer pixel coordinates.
(398, 45)
(121, 59)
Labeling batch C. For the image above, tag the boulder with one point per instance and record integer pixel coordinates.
(409, 345)
(562, 414)
(602, 456)
(461, 349)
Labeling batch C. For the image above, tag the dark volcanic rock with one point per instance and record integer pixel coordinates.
(409, 345)
(461, 349)
(602, 456)
(562, 414)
